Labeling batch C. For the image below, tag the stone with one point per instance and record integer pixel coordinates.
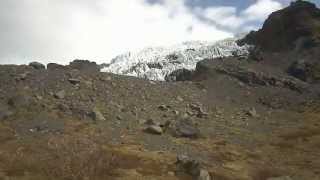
(119, 117)
(97, 115)
(204, 175)
(280, 178)
(164, 107)
(60, 95)
(154, 129)
(197, 110)
(252, 112)
(180, 99)
(187, 165)
(37, 65)
(74, 81)
(185, 128)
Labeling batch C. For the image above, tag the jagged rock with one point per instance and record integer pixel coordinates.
(280, 178)
(37, 65)
(179, 75)
(97, 115)
(154, 129)
(284, 28)
(185, 128)
(60, 95)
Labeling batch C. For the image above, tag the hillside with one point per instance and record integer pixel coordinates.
(242, 113)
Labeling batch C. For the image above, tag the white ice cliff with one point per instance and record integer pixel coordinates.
(157, 62)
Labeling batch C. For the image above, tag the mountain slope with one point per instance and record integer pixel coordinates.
(158, 62)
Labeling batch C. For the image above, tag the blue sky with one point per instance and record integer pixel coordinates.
(60, 31)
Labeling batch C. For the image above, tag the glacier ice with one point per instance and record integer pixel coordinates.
(154, 63)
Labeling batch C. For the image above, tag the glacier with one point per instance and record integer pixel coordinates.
(155, 63)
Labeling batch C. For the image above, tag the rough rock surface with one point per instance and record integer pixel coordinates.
(294, 27)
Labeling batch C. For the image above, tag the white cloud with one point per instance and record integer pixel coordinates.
(225, 16)
(60, 30)
(261, 9)
(228, 16)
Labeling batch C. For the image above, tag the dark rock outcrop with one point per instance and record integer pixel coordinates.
(294, 27)
(84, 66)
(180, 75)
(247, 74)
(305, 71)
(54, 66)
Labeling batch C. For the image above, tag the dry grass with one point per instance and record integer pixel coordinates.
(61, 158)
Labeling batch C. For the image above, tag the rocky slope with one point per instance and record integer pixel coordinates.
(237, 118)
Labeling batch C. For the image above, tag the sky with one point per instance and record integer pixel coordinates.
(98, 30)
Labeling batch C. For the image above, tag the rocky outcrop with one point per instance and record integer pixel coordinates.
(180, 75)
(84, 66)
(305, 71)
(246, 74)
(294, 27)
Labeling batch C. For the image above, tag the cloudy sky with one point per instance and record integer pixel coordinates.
(63, 30)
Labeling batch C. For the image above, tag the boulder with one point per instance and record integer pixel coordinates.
(74, 81)
(96, 115)
(188, 165)
(179, 75)
(305, 70)
(37, 65)
(154, 129)
(60, 94)
(185, 128)
(54, 66)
